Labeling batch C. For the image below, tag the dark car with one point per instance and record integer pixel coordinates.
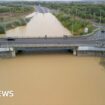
(102, 31)
(10, 39)
(65, 36)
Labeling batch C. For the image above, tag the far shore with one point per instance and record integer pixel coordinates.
(12, 16)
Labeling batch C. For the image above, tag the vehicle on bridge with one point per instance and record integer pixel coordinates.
(10, 39)
(102, 31)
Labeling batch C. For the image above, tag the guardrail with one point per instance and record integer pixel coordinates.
(45, 45)
(89, 34)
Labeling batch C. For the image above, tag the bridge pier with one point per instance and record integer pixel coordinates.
(13, 53)
(75, 51)
(7, 52)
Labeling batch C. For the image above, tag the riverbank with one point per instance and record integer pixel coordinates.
(41, 25)
(13, 16)
(102, 62)
(78, 16)
(13, 24)
(74, 24)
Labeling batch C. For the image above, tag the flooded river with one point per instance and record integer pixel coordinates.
(52, 79)
(39, 26)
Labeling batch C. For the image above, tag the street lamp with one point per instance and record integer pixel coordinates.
(99, 25)
(100, 17)
(72, 23)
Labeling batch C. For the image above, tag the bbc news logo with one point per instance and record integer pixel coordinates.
(7, 93)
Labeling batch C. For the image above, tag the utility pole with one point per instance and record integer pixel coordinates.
(76, 11)
(72, 24)
(99, 25)
(94, 16)
(100, 18)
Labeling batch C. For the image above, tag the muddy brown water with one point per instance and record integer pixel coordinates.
(53, 79)
(39, 26)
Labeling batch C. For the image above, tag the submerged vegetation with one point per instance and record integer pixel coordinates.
(77, 16)
(102, 62)
(13, 15)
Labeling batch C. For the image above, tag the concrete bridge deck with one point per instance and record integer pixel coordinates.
(50, 42)
(21, 44)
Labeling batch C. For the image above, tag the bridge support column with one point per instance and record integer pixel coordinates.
(13, 53)
(74, 52)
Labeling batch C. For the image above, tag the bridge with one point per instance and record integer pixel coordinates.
(72, 43)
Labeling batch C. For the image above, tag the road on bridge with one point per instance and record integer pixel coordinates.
(50, 42)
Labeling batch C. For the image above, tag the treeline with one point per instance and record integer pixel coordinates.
(95, 12)
(74, 24)
(15, 9)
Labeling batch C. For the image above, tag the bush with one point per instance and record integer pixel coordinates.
(102, 62)
(2, 29)
(15, 23)
(73, 23)
(22, 22)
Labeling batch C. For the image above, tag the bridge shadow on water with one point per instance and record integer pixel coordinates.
(43, 51)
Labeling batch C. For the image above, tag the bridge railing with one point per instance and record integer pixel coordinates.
(44, 45)
(89, 34)
(85, 35)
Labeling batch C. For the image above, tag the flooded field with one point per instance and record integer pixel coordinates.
(53, 79)
(41, 25)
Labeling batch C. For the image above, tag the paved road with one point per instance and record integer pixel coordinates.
(41, 9)
(51, 41)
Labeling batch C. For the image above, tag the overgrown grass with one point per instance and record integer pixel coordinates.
(102, 62)
(13, 15)
(74, 24)
(2, 29)
(77, 16)
(16, 9)
(82, 10)
(13, 24)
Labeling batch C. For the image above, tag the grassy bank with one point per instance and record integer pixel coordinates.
(102, 62)
(2, 29)
(74, 24)
(13, 15)
(13, 24)
(83, 10)
(76, 16)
